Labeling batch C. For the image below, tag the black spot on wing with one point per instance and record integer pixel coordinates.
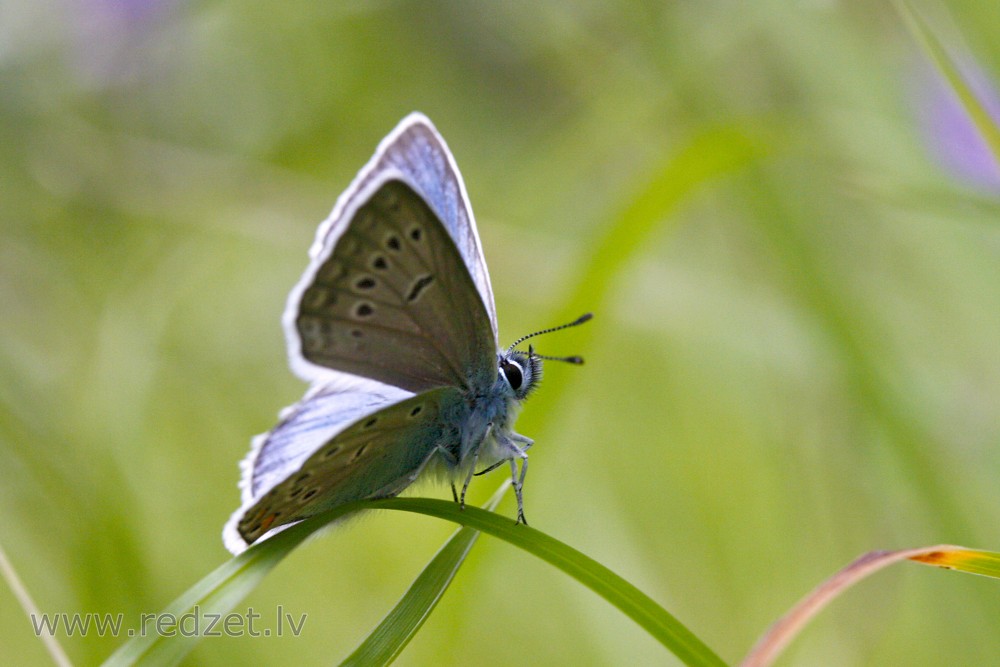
(419, 286)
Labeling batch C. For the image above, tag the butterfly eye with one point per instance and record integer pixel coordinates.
(512, 371)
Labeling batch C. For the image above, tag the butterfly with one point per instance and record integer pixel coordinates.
(394, 325)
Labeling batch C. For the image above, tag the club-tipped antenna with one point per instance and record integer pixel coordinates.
(575, 360)
(580, 320)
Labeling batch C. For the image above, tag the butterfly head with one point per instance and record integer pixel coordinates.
(522, 372)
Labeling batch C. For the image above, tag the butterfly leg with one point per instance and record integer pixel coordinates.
(514, 449)
(519, 484)
(516, 478)
(491, 468)
(525, 440)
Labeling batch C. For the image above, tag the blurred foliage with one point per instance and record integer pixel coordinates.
(796, 364)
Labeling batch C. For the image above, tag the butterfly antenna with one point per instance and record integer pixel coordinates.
(569, 360)
(573, 360)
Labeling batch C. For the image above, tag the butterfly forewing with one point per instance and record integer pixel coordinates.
(384, 304)
(376, 456)
(419, 153)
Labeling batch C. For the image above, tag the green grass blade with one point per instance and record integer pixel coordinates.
(634, 603)
(395, 631)
(935, 50)
(400, 625)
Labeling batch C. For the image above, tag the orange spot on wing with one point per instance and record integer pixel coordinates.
(266, 523)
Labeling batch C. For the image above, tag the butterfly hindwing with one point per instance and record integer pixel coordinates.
(393, 300)
(376, 455)
(322, 414)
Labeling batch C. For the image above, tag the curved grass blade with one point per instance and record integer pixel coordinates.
(638, 606)
(392, 635)
(766, 651)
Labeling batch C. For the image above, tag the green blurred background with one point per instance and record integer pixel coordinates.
(792, 259)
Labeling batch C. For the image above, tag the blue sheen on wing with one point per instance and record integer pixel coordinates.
(322, 414)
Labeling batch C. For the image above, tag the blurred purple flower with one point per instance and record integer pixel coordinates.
(111, 37)
(952, 136)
